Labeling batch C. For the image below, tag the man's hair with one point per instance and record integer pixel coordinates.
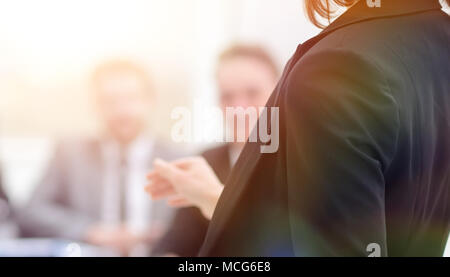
(250, 51)
(324, 9)
(121, 66)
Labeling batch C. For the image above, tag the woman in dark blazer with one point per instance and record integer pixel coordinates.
(363, 165)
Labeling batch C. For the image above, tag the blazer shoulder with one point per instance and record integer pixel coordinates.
(334, 70)
(380, 37)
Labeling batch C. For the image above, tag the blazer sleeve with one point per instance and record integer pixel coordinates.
(342, 123)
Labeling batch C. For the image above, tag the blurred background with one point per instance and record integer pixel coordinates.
(50, 48)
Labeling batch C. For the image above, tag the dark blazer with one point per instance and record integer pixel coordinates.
(364, 154)
(188, 229)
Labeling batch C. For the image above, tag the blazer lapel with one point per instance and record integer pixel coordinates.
(249, 158)
(244, 167)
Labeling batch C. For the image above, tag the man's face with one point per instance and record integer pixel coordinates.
(123, 104)
(244, 82)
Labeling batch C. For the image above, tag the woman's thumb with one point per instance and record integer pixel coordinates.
(167, 170)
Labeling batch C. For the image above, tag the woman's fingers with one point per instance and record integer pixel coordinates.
(168, 171)
(159, 188)
(162, 193)
(186, 163)
(172, 169)
(185, 182)
(178, 201)
(156, 181)
(153, 174)
(162, 180)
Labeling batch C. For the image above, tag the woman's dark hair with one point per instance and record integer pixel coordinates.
(324, 9)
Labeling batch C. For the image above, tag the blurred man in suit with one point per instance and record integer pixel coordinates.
(92, 191)
(246, 76)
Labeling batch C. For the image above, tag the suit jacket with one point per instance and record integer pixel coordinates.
(363, 164)
(68, 200)
(188, 229)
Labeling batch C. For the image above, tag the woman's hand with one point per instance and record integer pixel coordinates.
(185, 182)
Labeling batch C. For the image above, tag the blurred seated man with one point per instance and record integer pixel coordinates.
(246, 76)
(92, 191)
